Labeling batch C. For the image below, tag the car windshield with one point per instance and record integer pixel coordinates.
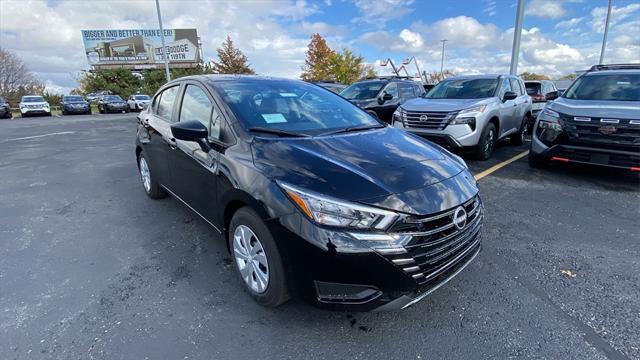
(533, 88)
(112, 98)
(463, 89)
(72, 98)
(620, 87)
(142, 97)
(290, 106)
(28, 99)
(363, 90)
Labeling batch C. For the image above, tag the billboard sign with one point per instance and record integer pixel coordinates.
(140, 48)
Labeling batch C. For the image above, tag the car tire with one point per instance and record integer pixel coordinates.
(251, 252)
(100, 110)
(64, 112)
(374, 114)
(23, 115)
(48, 114)
(151, 187)
(518, 138)
(487, 142)
(536, 161)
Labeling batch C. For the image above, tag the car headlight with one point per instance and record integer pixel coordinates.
(468, 116)
(325, 210)
(398, 114)
(549, 119)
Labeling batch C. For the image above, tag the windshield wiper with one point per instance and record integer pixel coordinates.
(353, 128)
(283, 133)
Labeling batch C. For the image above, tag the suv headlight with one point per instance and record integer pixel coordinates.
(468, 116)
(325, 210)
(398, 115)
(549, 119)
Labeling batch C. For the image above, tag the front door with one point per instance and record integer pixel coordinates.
(193, 171)
(507, 108)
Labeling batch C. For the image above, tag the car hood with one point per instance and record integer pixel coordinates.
(34, 103)
(448, 105)
(385, 167)
(76, 102)
(598, 109)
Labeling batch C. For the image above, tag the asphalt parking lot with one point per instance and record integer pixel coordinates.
(92, 268)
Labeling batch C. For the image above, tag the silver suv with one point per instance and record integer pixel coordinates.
(469, 113)
(596, 121)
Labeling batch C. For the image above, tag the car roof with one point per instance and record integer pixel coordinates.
(612, 71)
(480, 76)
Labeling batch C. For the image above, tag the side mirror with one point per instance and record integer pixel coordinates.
(509, 95)
(384, 98)
(191, 131)
(550, 96)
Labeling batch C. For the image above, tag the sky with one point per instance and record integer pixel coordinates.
(558, 37)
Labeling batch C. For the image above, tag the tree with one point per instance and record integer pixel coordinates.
(369, 71)
(317, 65)
(15, 78)
(348, 68)
(533, 76)
(568, 77)
(437, 76)
(52, 99)
(116, 81)
(232, 60)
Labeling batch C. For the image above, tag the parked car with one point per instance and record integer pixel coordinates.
(283, 171)
(5, 109)
(137, 102)
(74, 104)
(112, 103)
(538, 89)
(380, 97)
(469, 113)
(596, 121)
(332, 86)
(34, 105)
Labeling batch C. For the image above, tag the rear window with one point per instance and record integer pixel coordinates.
(533, 88)
(612, 87)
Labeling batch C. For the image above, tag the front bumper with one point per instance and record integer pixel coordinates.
(35, 111)
(116, 108)
(588, 155)
(337, 272)
(460, 137)
(76, 110)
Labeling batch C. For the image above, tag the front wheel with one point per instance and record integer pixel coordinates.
(487, 142)
(258, 261)
(151, 187)
(518, 138)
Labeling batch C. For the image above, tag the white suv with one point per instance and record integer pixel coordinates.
(137, 102)
(34, 105)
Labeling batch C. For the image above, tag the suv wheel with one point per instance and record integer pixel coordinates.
(487, 142)
(151, 187)
(258, 261)
(518, 138)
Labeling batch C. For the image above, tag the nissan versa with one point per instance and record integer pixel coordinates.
(315, 197)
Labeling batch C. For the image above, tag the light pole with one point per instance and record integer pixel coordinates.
(442, 59)
(164, 48)
(515, 50)
(606, 32)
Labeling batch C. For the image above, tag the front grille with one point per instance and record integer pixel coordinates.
(436, 120)
(613, 133)
(437, 244)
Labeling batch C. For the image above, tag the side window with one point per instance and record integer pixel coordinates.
(165, 104)
(419, 89)
(506, 86)
(406, 90)
(197, 106)
(392, 89)
(515, 87)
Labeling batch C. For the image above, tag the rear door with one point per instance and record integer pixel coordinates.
(522, 102)
(159, 138)
(192, 169)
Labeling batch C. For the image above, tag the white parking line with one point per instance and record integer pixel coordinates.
(40, 136)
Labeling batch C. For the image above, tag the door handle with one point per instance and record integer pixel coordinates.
(172, 143)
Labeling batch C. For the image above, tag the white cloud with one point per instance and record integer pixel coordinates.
(569, 24)
(599, 15)
(549, 9)
(378, 12)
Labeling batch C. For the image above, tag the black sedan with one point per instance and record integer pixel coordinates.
(74, 104)
(313, 196)
(112, 103)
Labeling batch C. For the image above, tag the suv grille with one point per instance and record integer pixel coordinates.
(438, 244)
(436, 120)
(602, 131)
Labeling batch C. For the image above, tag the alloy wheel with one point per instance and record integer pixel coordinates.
(145, 174)
(488, 147)
(251, 259)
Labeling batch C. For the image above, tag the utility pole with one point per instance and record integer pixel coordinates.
(606, 32)
(164, 48)
(442, 59)
(515, 50)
